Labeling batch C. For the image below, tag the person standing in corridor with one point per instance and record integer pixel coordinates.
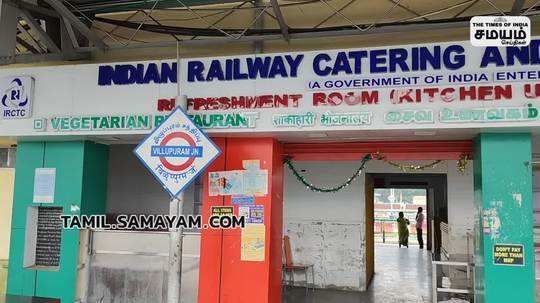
(419, 225)
(403, 230)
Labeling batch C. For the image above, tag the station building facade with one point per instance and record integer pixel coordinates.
(471, 113)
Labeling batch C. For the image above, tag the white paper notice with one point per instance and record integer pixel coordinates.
(256, 182)
(44, 182)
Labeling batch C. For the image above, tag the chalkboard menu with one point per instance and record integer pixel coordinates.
(49, 236)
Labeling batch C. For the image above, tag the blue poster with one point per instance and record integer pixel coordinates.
(242, 200)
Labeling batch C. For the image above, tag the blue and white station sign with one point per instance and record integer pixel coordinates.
(176, 152)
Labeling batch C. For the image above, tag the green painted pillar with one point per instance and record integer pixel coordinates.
(504, 252)
(81, 180)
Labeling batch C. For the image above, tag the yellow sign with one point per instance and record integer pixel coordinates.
(222, 211)
(253, 243)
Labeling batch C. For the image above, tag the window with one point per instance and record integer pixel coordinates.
(197, 196)
(7, 157)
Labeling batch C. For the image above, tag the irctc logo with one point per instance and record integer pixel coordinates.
(14, 95)
(166, 105)
(16, 98)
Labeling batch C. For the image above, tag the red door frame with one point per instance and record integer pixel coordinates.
(392, 150)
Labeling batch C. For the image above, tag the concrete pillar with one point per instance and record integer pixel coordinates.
(227, 273)
(80, 189)
(8, 29)
(504, 252)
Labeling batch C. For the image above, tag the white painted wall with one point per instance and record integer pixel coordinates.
(460, 208)
(7, 177)
(327, 230)
(133, 190)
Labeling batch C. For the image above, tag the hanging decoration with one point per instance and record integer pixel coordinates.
(408, 167)
(333, 189)
(463, 162)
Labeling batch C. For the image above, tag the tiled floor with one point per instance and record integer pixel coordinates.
(402, 276)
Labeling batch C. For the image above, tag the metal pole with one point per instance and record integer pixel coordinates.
(176, 209)
(383, 233)
(175, 253)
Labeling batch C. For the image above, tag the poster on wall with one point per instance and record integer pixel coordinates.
(254, 214)
(255, 179)
(44, 183)
(508, 254)
(243, 211)
(256, 182)
(226, 183)
(242, 185)
(242, 199)
(234, 183)
(251, 164)
(222, 211)
(253, 243)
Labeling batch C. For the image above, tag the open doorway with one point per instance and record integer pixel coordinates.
(386, 263)
(388, 204)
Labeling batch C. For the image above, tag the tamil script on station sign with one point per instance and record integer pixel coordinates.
(176, 152)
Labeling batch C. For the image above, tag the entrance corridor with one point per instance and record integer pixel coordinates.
(401, 276)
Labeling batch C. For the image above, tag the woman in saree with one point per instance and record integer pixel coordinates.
(403, 230)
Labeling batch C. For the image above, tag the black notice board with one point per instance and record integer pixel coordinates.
(508, 254)
(49, 236)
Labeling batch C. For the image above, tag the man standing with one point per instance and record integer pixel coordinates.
(419, 224)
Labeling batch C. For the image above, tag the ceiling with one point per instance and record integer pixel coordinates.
(153, 23)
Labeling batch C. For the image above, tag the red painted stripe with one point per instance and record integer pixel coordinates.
(395, 150)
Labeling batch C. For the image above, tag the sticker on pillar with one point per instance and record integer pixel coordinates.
(253, 214)
(491, 223)
(44, 184)
(222, 211)
(253, 243)
(243, 211)
(176, 152)
(508, 254)
(256, 214)
(242, 200)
